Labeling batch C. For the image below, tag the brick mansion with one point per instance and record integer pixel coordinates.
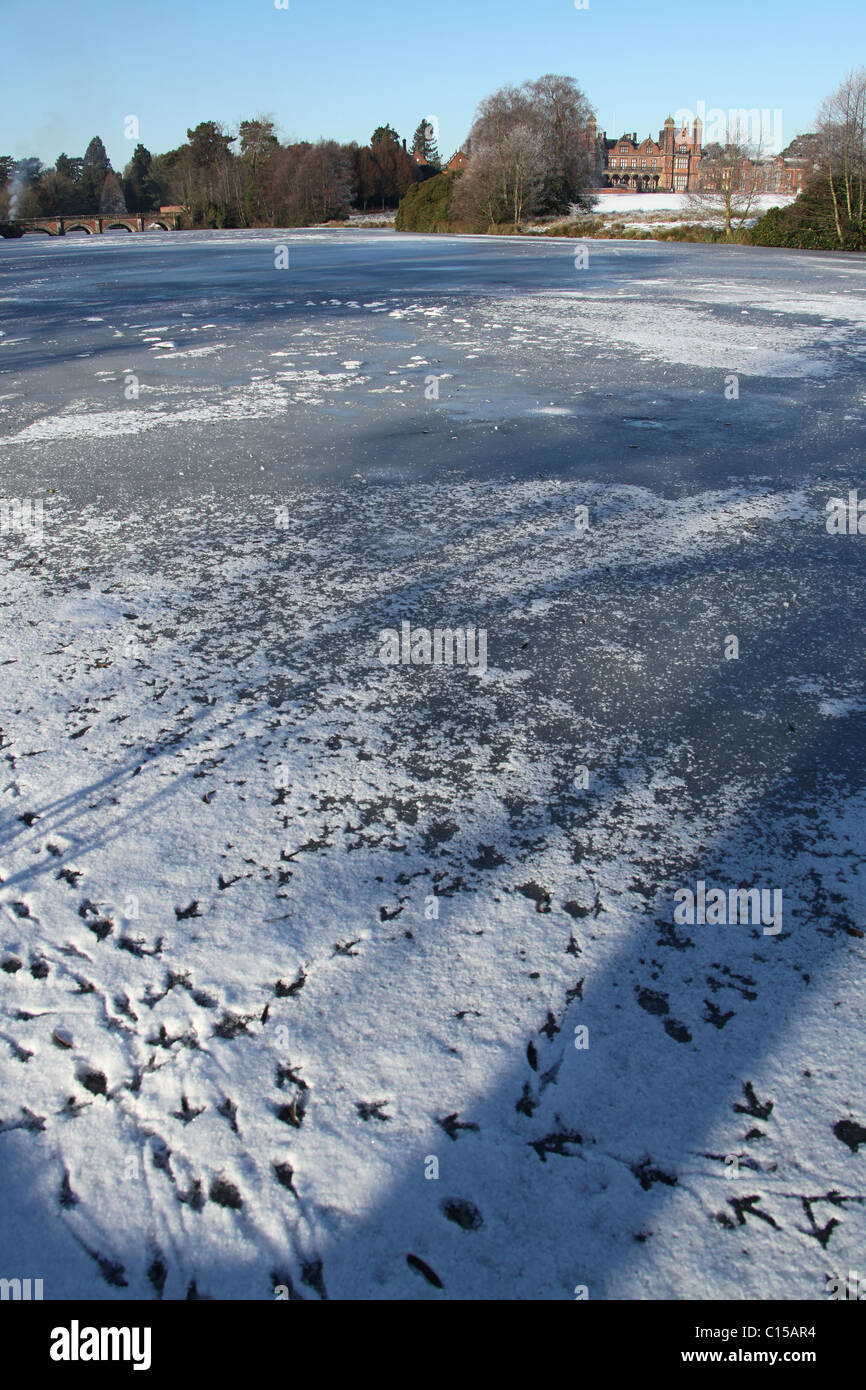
(673, 162)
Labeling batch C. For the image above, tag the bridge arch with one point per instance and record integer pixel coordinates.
(165, 220)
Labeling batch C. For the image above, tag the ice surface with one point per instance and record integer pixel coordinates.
(281, 925)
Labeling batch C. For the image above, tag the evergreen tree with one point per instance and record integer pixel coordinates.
(258, 139)
(27, 172)
(384, 132)
(55, 196)
(94, 168)
(111, 198)
(140, 188)
(209, 144)
(68, 168)
(424, 143)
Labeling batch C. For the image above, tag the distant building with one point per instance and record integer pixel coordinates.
(784, 173)
(422, 169)
(672, 163)
(779, 175)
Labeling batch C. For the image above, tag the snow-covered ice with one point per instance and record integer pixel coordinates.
(295, 946)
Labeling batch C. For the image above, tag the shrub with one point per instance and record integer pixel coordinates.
(691, 231)
(589, 226)
(427, 206)
(809, 224)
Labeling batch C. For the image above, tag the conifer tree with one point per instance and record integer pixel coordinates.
(424, 143)
(111, 198)
(94, 168)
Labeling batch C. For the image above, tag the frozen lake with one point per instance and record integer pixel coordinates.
(313, 963)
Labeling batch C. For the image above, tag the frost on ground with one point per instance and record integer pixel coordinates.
(671, 202)
(333, 976)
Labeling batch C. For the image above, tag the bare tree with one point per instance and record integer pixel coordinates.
(478, 196)
(503, 181)
(730, 180)
(562, 115)
(529, 150)
(522, 165)
(322, 187)
(393, 168)
(842, 150)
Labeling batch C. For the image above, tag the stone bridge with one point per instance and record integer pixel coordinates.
(166, 220)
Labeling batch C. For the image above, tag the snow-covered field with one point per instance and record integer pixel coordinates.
(364, 980)
(670, 202)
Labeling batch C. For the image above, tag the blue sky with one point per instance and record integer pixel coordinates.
(340, 67)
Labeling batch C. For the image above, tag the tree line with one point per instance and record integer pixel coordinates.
(224, 179)
(531, 152)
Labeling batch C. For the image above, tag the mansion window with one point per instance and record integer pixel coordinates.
(684, 149)
(634, 164)
(643, 164)
(623, 149)
(680, 181)
(681, 164)
(655, 164)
